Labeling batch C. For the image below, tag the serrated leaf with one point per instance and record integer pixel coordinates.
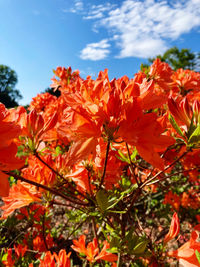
(197, 253)
(175, 126)
(195, 136)
(102, 200)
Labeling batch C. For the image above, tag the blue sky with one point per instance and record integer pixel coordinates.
(36, 36)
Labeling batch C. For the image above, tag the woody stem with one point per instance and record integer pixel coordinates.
(58, 174)
(105, 164)
(131, 164)
(166, 168)
(53, 191)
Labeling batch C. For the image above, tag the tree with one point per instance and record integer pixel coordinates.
(51, 91)
(177, 59)
(8, 94)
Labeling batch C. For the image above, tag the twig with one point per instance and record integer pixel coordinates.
(160, 172)
(43, 232)
(105, 164)
(53, 191)
(58, 174)
(131, 165)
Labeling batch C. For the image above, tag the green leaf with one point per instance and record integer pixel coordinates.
(122, 157)
(134, 154)
(102, 199)
(175, 126)
(197, 253)
(112, 202)
(115, 243)
(140, 247)
(195, 136)
(118, 211)
(191, 128)
(132, 242)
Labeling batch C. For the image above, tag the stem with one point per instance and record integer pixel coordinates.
(160, 172)
(89, 180)
(43, 232)
(58, 174)
(95, 232)
(53, 191)
(164, 178)
(105, 164)
(137, 193)
(131, 165)
(54, 202)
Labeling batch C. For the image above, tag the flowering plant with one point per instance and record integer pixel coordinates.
(110, 159)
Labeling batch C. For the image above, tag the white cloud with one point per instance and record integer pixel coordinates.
(142, 28)
(96, 51)
(77, 8)
(97, 11)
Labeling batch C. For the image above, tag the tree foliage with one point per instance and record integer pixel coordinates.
(8, 80)
(178, 59)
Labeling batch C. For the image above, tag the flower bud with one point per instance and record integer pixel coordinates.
(174, 228)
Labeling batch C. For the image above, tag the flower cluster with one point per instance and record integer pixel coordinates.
(112, 159)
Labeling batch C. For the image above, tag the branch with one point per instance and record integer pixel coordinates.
(60, 175)
(105, 164)
(131, 165)
(53, 191)
(160, 172)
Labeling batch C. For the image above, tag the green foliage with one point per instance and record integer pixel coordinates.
(8, 94)
(177, 58)
(197, 255)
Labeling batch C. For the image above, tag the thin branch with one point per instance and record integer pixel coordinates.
(160, 172)
(105, 164)
(131, 165)
(53, 191)
(43, 232)
(164, 178)
(58, 174)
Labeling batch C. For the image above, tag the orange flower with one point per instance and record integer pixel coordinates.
(39, 245)
(62, 259)
(20, 250)
(172, 199)
(92, 251)
(80, 176)
(161, 73)
(79, 245)
(105, 255)
(9, 132)
(186, 80)
(37, 171)
(186, 253)
(42, 101)
(36, 126)
(20, 195)
(149, 142)
(48, 260)
(9, 262)
(174, 228)
(181, 111)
